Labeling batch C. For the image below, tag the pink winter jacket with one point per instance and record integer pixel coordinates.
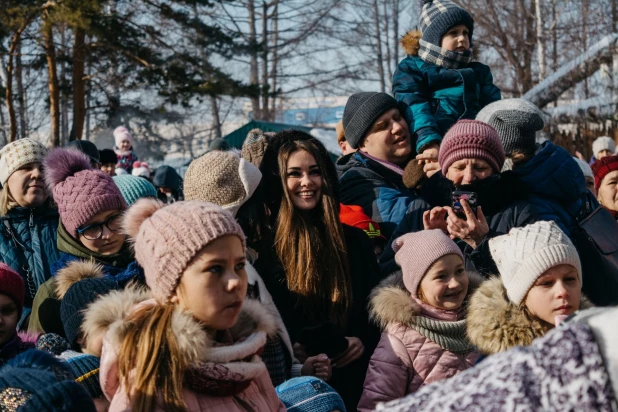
(411, 352)
(233, 364)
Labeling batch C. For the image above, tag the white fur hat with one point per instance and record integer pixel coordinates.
(603, 143)
(525, 253)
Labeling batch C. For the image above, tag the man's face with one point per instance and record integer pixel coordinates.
(389, 139)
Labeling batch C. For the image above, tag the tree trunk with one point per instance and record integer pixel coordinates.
(52, 82)
(63, 83)
(380, 60)
(554, 35)
(15, 40)
(389, 69)
(21, 94)
(216, 120)
(540, 39)
(79, 84)
(253, 53)
(274, 61)
(265, 114)
(584, 32)
(395, 33)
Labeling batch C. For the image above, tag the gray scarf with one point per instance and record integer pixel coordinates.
(448, 59)
(450, 336)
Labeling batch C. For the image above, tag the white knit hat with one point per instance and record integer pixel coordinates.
(586, 169)
(18, 154)
(603, 143)
(525, 253)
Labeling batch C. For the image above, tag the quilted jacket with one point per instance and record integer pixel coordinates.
(437, 97)
(28, 245)
(406, 359)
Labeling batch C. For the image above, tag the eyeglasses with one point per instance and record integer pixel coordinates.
(95, 231)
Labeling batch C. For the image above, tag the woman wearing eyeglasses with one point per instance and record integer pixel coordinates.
(90, 207)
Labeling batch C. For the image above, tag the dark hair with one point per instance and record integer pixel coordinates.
(253, 220)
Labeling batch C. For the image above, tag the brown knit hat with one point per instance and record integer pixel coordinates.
(222, 178)
(166, 238)
(255, 145)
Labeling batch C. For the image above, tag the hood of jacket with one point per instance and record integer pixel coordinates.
(496, 325)
(410, 43)
(220, 365)
(493, 193)
(553, 173)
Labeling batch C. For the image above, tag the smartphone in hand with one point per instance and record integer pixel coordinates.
(458, 196)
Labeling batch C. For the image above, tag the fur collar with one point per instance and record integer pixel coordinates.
(410, 43)
(496, 325)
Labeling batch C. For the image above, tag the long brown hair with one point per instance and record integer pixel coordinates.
(150, 362)
(312, 249)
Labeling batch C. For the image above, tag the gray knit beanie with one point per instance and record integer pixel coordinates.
(361, 110)
(516, 121)
(438, 16)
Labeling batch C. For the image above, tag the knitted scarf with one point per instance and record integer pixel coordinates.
(448, 59)
(450, 336)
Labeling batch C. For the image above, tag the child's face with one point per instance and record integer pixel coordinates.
(109, 169)
(557, 292)
(456, 39)
(125, 145)
(445, 284)
(9, 316)
(102, 234)
(214, 285)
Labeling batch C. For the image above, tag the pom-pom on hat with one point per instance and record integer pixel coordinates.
(12, 285)
(471, 139)
(17, 154)
(166, 238)
(80, 191)
(86, 147)
(602, 168)
(438, 16)
(416, 252)
(122, 134)
(223, 178)
(141, 169)
(525, 253)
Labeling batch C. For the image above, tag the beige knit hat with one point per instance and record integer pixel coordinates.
(18, 154)
(222, 178)
(525, 253)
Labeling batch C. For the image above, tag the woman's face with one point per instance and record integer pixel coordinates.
(608, 191)
(556, 293)
(9, 316)
(111, 239)
(445, 284)
(466, 171)
(27, 187)
(303, 180)
(214, 285)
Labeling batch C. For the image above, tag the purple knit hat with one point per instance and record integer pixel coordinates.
(416, 252)
(80, 191)
(166, 238)
(471, 139)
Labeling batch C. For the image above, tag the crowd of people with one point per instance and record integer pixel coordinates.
(447, 261)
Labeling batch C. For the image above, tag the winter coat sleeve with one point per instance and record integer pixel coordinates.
(388, 376)
(410, 86)
(489, 91)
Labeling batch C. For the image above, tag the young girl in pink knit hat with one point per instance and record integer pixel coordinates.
(424, 338)
(124, 149)
(196, 344)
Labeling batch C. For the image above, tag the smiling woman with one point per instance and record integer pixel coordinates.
(29, 223)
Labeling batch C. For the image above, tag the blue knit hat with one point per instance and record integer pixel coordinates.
(309, 394)
(34, 381)
(86, 370)
(134, 187)
(438, 16)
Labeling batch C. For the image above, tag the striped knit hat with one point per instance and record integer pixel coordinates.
(438, 16)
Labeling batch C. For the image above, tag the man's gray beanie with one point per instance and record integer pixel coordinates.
(517, 121)
(361, 110)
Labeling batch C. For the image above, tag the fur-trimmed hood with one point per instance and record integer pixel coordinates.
(496, 325)
(410, 43)
(74, 272)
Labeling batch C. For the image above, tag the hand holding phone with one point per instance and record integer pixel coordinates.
(457, 197)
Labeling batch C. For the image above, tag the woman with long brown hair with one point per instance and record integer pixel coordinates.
(324, 270)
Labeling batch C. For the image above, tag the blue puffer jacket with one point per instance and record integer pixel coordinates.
(28, 245)
(436, 97)
(374, 187)
(557, 186)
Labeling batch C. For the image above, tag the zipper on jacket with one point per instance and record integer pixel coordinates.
(31, 218)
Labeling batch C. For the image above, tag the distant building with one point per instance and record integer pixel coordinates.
(323, 112)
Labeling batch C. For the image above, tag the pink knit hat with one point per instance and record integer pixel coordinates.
(416, 252)
(121, 134)
(166, 238)
(471, 139)
(80, 191)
